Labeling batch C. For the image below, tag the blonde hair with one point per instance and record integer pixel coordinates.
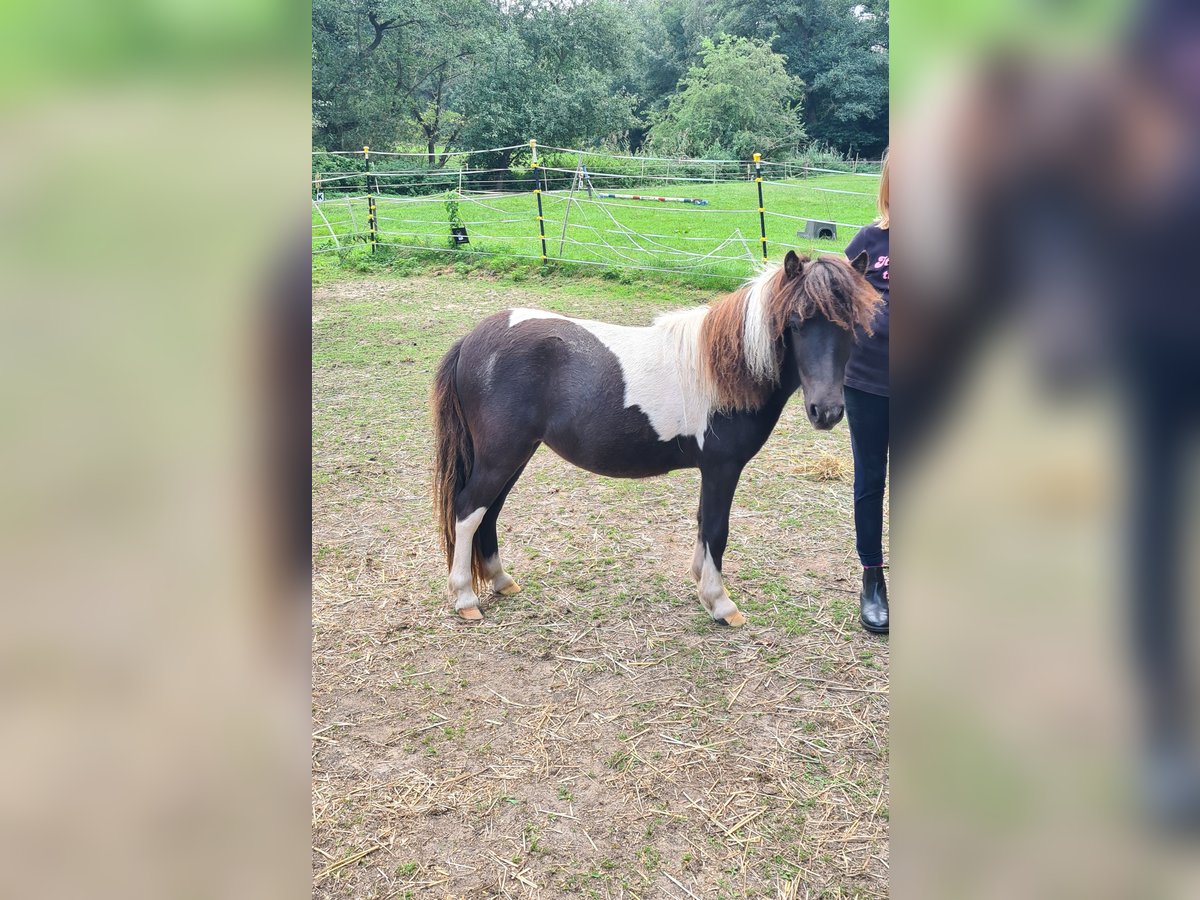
(885, 218)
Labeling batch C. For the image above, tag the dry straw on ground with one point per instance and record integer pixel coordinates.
(825, 466)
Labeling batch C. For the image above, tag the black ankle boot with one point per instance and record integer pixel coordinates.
(873, 601)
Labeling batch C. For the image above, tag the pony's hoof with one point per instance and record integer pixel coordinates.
(470, 614)
(511, 588)
(734, 620)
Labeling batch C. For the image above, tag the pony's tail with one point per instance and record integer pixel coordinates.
(454, 457)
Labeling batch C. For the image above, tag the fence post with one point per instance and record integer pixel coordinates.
(372, 224)
(537, 192)
(762, 212)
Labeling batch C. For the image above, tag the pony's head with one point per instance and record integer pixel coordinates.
(809, 307)
(828, 298)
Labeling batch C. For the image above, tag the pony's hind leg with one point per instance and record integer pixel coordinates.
(487, 541)
(491, 478)
(471, 507)
(462, 587)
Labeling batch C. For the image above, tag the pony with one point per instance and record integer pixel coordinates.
(699, 388)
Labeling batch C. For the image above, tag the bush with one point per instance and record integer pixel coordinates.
(738, 101)
(330, 165)
(820, 156)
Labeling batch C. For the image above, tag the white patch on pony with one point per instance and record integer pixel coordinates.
(661, 367)
(712, 590)
(758, 344)
(460, 570)
(517, 316)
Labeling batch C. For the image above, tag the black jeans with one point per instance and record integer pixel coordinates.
(868, 418)
(1164, 395)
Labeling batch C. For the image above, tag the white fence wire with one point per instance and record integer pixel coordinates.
(596, 209)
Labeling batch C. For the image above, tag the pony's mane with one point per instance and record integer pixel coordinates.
(733, 344)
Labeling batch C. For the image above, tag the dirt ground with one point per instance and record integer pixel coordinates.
(597, 736)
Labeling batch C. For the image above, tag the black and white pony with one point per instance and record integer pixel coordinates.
(700, 388)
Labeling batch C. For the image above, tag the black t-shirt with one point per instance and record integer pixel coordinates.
(867, 369)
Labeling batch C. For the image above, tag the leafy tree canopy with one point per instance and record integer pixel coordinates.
(839, 48)
(740, 99)
(696, 74)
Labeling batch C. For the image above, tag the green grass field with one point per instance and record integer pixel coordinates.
(721, 239)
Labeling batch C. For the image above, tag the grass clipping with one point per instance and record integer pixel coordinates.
(826, 466)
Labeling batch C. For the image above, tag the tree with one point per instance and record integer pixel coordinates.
(389, 70)
(559, 72)
(476, 73)
(660, 61)
(840, 50)
(446, 74)
(739, 100)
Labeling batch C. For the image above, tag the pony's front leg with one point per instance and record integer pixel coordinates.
(717, 485)
(698, 554)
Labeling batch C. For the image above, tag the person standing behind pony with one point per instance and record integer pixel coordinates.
(867, 401)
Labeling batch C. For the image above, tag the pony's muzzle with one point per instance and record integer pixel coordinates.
(825, 415)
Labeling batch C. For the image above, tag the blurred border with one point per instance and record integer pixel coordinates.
(1045, 399)
(155, 406)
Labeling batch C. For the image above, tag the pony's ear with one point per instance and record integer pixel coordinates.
(860, 263)
(793, 265)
